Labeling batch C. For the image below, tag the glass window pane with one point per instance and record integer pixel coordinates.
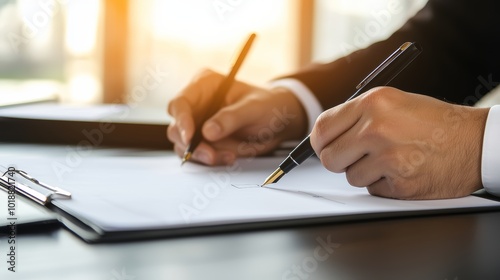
(343, 26)
(181, 37)
(48, 46)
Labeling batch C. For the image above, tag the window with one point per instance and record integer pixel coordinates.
(63, 46)
(49, 48)
(343, 26)
(181, 37)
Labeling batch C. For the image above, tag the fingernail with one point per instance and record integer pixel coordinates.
(203, 157)
(184, 137)
(228, 158)
(213, 129)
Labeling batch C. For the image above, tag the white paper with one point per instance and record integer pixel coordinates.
(152, 191)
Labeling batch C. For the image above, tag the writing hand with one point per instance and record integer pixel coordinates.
(253, 120)
(403, 145)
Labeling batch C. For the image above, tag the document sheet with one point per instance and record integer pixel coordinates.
(128, 192)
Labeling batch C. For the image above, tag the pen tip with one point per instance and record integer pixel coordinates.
(274, 177)
(186, 157)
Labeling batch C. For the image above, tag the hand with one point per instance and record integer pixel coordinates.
(403, 145)
(253, 121)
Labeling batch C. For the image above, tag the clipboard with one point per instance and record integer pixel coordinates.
(12, 186)
(33, 217)
(91, 230)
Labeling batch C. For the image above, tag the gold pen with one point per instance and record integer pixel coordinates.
(220, 94)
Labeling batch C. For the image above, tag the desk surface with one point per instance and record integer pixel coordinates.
(441, 247)
(461, 246)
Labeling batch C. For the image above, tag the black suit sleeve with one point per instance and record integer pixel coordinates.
(460, 60)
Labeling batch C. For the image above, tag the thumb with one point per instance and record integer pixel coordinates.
(230, 119)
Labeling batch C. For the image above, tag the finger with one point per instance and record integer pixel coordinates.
(179, 150)
(249, 147)
(364, 172)
(208, 155)
(199, 93)
(227, 150)
(333, 123)
(345, 150)
(180, 109)
(173, 134)
(387, 187)
(381, 188)
(230, 119)
(202, 153)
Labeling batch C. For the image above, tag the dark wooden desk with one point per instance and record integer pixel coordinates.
(451, 247)
(441, 247)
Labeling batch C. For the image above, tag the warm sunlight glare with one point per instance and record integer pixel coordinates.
(81, 27)
(209, 23)
(84, 88)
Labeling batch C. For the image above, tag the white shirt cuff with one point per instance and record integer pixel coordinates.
(306, 97)
(490, 167)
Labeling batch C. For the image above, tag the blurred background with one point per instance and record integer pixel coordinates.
(145, 51)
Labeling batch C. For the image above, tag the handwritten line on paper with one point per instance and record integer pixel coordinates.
(320, 196)
(252, 186)
(246, 186)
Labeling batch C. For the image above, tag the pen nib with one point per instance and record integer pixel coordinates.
(274, 177)
(186, 158)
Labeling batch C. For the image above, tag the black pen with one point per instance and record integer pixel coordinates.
(381, 76)
(220, 94)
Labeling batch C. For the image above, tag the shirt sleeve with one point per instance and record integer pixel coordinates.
(310, 103)
(490, 167)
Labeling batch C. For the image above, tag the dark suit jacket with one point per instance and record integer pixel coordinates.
(460, 61)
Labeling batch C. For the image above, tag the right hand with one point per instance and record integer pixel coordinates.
(253, 121)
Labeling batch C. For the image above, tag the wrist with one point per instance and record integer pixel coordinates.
(473, 135)
(288, 102)
(309, 102)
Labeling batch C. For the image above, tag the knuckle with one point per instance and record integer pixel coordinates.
(402, 189)
(321, 125)
(377, 97)
(353, 177)
(328, 162)
(203, 72)
(375, 130)
(205, 75)
(172, 132)
(374, 191)
(374, 94)
(174, 103)
(179, 106)
(382, 191)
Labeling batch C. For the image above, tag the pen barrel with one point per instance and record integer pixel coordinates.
(381, 76)
(219, 96)
(389, 69)
(302, 152)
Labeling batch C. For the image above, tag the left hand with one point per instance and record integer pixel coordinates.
(403, 145)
